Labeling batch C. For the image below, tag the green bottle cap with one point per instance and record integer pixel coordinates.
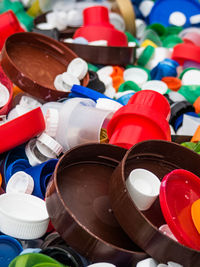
(131, 38)
(129, 85)
(26, 20)
(146, 55)
(173, 30)
(172, 40)
(186, 70)
(190, 92)
(92, 67)
(189, 145)
(158, 28)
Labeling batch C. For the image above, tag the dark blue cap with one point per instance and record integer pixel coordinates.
(166, 68)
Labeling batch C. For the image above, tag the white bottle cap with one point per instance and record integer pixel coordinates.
(69, 80)
(51, 18)
(137, 75)
(191, 77)
(20, 182)
(44, 26)
(107, 80)
(155, 85)
(174, 264)
(99, 43)
(140, 27)
(33, 160)
(132, 44)
(108, 104)
(75, 18)
(62, 19)
(177, 18)
(60, 85)
(147, 263)
(4, 95)
(105, 71)
(195, 19)
(117, 21)
(48, 146)
(162, 265)
(101, 264)
(78, 68)
(51, 120)
(110, 92)
(145, 7)
(176, 97)
(29, 102)
(68, 40)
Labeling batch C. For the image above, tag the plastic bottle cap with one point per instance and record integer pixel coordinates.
(51, 119)
(74, 18)
(52, 19)
(62, 18)
(132, 44)
(174, 264)
(145, 7)
(44, 26)
(33, 160)
(173, 83)
(137, 75)
(107, 80)
(110, 91)
(117, 21)
(195, 19)
(176, 97)
(177, 19)
(30, 102)
(155, 85)
(101, 264)
(60, 85)
(146, 55)
(80, 40)
(99, 43)
(108, 104)
(16, 112)
(140, 27)
(128, 86)
(191, 77)
(105, 71)
(4, 95)
(20, 182)
(78, 68)
(69, 80)
(68, 40)
(147, 262)
(48, 146)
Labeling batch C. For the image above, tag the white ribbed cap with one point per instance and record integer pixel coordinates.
(105, 71)
(108, 104)
(33, 160)
(78, 68)
(51, 119)
(48, 146)
(20, 182)
(4, 95)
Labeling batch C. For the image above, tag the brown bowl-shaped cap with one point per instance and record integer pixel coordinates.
(159, 157)
(32, 61)
(79, 205)
(106, 55)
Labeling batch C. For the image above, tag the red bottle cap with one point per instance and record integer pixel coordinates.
(97, 27)
(186, 51)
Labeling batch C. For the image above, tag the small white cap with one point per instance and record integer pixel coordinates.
(191, 77)
(105, 71)
(62, 19)
(110, 91)
(195, 19)
(69, 80)
(74, 18)
(117, 21)
(147, 263)
(48, 146)
(44, 26)
(101, 264)
(20, 182)
(155, 85)
(137, 75)
(131, 44)
(108, 104)
(99, 43)
(51, 119)
(107, 80)
(78, 68)
(174, 264)
(68, 40)
(162, 265)
(4, 95)
(60, 85)
(145, 7)
(33, 160)
(29, 102)
(51, 18)
(140, 27)
(160, 53)
(177, 18)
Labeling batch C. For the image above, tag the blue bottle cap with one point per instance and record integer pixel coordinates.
(166, 68)
(41, 174)
(9, 249)
(125, 98)
(16, 166)
(163, 9)
(81, 91)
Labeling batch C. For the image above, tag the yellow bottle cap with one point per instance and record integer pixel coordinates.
(148, 42)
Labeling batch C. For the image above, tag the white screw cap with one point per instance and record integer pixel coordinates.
(78, 68)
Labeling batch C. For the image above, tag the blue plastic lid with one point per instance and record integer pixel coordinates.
(9, 249)
(81, 91)
(125, 98)
(179, 120)
(16, 166)
(162, 10)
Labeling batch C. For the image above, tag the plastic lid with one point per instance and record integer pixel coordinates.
(128, 86)
(99, 43)
(173, 83)
(140, 27)
(74, 18)
(60, 85)
(108, 104)
(20, 182)
(69, 80)
(191, 77)
(44, 26)
(137, 75)
(78, 68)
(48, 146)
(177, 18)
(9, 249)
(117, 21)
(148, 42)
(4, 95)
(33, 160)
(51, 119)
(147, 262)
(105, 71)
(172, 40)
(145, 7)
(30, 102)
(155, 85)
(146, 55)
